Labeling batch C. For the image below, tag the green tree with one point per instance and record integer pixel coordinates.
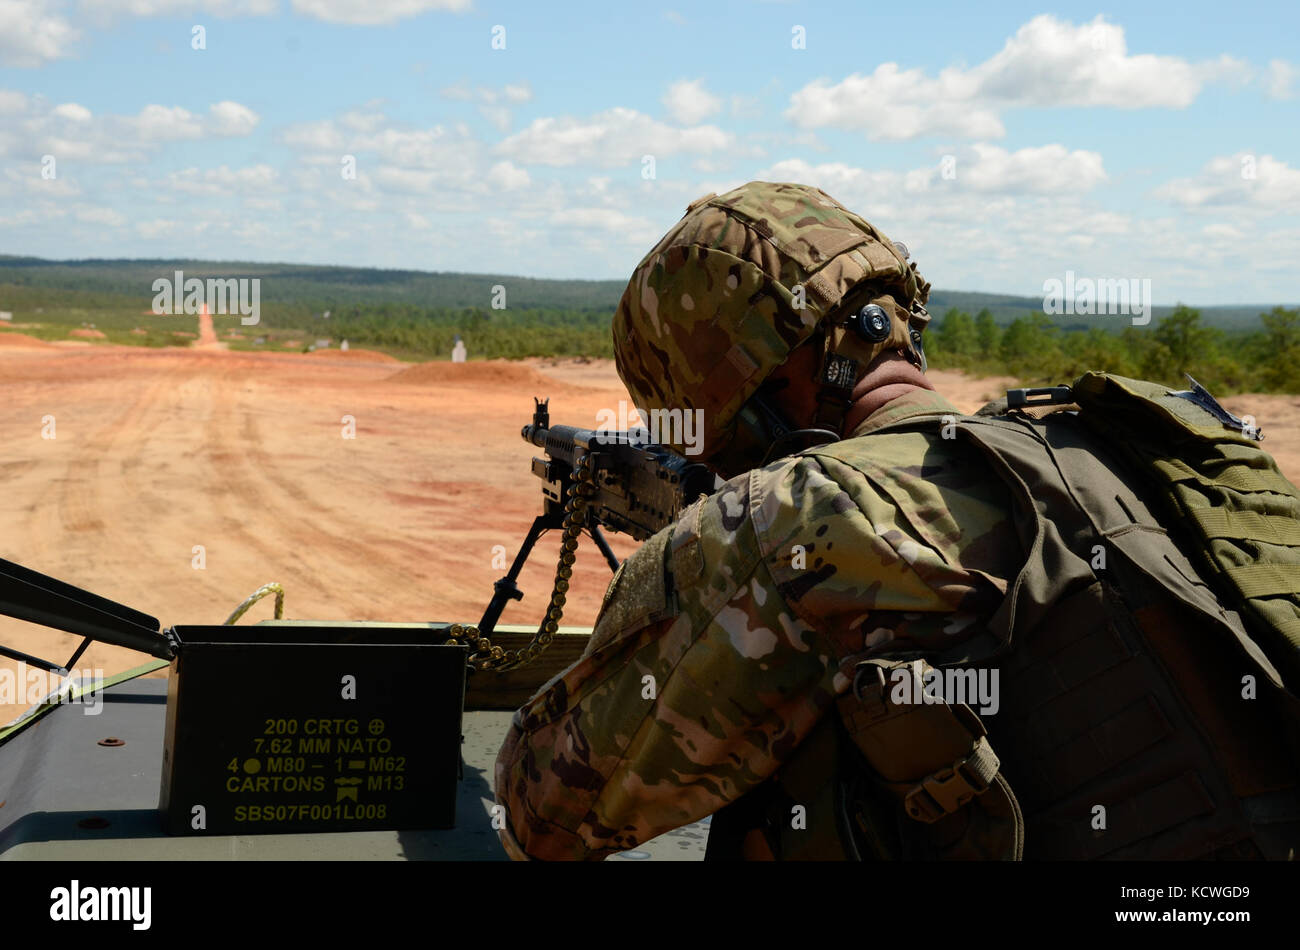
(1281, 362)
(987, 334)
(1187, 343)
(1031, 347)
(958, 333)
(1095, 351)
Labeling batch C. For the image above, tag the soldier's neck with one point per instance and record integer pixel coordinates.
(888, 378)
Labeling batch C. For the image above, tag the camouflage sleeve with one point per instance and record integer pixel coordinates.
(701, 678)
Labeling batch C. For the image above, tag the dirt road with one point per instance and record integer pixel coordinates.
(179, 481)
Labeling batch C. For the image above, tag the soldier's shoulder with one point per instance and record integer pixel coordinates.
(901, 484)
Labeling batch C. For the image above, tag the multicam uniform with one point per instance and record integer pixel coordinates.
(725, 639)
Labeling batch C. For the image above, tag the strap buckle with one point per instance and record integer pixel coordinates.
(943, 792)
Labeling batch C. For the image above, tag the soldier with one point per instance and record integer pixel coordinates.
(757, 658)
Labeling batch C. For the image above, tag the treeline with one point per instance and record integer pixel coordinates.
(488, 334)
(1032, 347)
(1035, 350)
(319, 287)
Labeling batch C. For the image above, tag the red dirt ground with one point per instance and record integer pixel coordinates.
(159, 450)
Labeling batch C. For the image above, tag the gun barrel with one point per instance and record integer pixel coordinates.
(560, 442)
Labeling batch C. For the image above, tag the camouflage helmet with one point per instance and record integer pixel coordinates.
(741, 281)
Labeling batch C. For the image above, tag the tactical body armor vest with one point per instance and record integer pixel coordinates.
(1143, 712)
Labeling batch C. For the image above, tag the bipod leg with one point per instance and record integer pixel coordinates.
(506, 589)
(599, 537)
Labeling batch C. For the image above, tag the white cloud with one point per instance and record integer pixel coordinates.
(34, 32)
(31, 216)
(72, 111)
(423, 148)
(1053, 63)
(1239, 183)
(689, 103)
(1006, 221)
(439, 169)
(894, 104)
(1047, 63)
(1223, 232)
(608, 139)
(155, 8)
(231, 119)
(409, 161)
(847, 184)
(157, 123)
(372, 12)
(498, 116)
(359, 121)
(26, 178)
(105, 216)
(459, 92)
(516, 93)
(223, 180)
(982, 169)
(507, 177)
(165, 123)
(12, 102)
(70, 131)
(323, 135)
(269, 205)
(252, 231)
(493, 104)
(1050, 169)
(158, 227)
(407, 180)
(609, 223)
(1281, 79)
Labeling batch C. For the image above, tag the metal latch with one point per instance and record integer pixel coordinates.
(1044, 396)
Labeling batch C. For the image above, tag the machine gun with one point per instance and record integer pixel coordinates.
(592, 479)
(348, 714)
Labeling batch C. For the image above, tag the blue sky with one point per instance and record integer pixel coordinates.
(1005, 147)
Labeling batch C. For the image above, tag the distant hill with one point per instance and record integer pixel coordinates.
(315, 284)
(324, 287)
(1006, 307)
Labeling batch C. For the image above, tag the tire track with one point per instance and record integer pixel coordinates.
(269, 515)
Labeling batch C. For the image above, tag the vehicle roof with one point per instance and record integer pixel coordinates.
(63, 796)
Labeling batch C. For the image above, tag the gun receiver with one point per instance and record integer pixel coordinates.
(641, 488)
